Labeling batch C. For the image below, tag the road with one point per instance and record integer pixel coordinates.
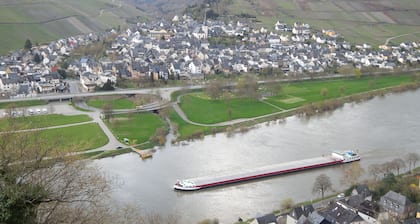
(65, 109)
(166, 92)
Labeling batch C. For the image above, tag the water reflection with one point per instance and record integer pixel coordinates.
(381, 129)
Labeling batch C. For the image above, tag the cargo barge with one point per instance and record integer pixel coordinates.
(335, 158)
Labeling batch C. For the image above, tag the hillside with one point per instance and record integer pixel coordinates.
(45, 20)
(371, 21)
(162, 8)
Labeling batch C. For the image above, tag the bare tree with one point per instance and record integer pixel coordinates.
(412, 158)
(107, 111)
(287, 204)
(398, 164)
(214, 89)
(352, 173)
(247, 87)
(387, 167)
(321, 185)
(274, 88)
(375, 170)
(41, 184)
(324, 92)
(37, 189)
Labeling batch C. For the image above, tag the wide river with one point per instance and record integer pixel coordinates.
(381, 129)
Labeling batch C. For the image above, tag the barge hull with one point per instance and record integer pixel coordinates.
(267, 171)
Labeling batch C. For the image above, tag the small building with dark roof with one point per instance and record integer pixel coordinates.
(397, 205)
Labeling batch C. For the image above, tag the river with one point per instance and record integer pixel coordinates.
(381, 129)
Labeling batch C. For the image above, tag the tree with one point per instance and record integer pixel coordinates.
(107, 111)
(37, 58)
(28, 45)
(372, 84)
(398, 164)
(412, 158)
(286, 204)
(321, 185)
(375, 170)
(108, 86)
(34, 189)
(342, 90)
(214, 89)
(357, 73)
(274, 88)
(247, 87)
(324, 92)
(352, 173)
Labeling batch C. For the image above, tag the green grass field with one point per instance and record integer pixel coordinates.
(186, 130)
(29, 103)
(121, 103)
(206, 111)
(310, 91)
(41, 121)
(138, 128)
(75, 138)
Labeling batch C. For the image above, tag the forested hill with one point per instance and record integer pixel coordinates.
(163, 8)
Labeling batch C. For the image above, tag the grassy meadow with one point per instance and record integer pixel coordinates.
(297, 94)
(206, 111)
(119, 103)
(138, 127)
(42, 121)
(29, 103)
(75, 138)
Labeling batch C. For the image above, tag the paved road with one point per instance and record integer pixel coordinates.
(164, 92)
(65, 109)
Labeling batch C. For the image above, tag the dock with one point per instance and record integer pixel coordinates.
(144, 154)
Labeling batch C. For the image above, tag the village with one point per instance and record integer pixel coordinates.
(358, 207)
(184, 48)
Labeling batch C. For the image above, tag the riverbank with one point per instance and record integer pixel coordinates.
(304, 98)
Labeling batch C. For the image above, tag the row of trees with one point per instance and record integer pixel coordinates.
(353, 172)
(247, 87)
(396, 165)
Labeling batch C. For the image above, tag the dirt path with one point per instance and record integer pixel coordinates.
(394, 37)
(79, 25)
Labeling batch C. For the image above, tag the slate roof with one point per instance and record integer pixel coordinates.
(267, 219)
(337, 214)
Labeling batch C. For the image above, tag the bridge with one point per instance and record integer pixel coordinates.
(165, 93)
(151, 107)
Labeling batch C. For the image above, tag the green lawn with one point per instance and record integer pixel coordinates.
(28, 103)
(138, 127)
(186, 130)
(42, 121)
(76, 138)
(298, 94)
(207, 111)
(121, 103)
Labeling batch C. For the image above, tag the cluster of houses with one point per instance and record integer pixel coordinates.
(33, 71)
(184, 48)
(189, 49)
(356, 208)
